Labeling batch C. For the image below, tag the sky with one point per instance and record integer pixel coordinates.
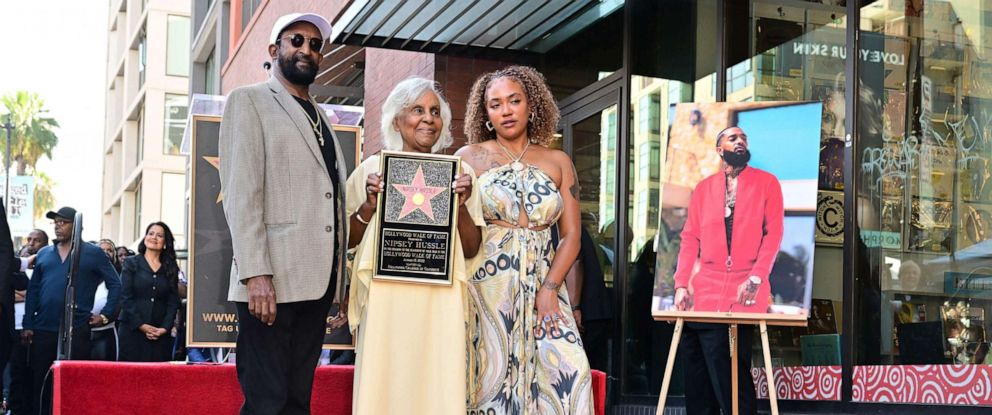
(61, 54)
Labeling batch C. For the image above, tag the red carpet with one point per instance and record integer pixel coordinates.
(107, 388)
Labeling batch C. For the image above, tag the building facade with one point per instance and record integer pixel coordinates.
(905, 149)
(148, 66)
(209, 44)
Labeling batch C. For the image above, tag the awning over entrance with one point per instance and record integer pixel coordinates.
(439, 26)
(341, 78)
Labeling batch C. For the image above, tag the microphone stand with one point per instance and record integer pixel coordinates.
(69, 311)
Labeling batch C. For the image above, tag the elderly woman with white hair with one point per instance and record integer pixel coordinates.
(411, 337)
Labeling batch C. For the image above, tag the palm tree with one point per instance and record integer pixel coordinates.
(33, 135)
(44, 199)
(32, 138)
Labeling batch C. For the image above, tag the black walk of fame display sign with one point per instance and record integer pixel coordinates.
(418, 216)
(212, 320)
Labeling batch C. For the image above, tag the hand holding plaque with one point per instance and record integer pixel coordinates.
(373, 186)
(463, 188)
(417, 216)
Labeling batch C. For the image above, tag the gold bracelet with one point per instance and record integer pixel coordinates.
(358, 217)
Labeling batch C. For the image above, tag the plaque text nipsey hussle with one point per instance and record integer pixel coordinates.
(417, 217)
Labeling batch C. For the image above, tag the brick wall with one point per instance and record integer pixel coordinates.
(385, 68)
(250, 50)
(456, 76)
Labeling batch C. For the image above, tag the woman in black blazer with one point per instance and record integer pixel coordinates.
(150, 298)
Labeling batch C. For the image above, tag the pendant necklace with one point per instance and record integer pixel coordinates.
(731, 196)
(515, 164)
(317, 126)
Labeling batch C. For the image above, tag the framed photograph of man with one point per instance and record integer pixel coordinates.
(739, 204)
(418, 217)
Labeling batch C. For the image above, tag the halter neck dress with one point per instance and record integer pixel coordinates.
(515, 366)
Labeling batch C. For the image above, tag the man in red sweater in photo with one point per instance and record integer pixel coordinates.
(733, 231)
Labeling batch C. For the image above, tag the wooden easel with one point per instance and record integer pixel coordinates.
(677, 335)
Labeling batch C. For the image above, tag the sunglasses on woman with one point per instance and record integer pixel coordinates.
(297, 41)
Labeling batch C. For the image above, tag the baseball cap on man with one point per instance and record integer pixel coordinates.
(315, 19)
(64, 212)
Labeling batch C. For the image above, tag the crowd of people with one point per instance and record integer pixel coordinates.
(126, 306)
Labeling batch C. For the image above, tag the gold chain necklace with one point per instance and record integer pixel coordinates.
(316, 126)
(515, 163)
(731, 196)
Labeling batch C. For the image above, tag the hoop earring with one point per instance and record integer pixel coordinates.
(531, 117)
(489, 125)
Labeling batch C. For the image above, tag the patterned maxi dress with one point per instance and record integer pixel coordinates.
(514, 369)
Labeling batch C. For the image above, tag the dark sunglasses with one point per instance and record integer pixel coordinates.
(297, 41)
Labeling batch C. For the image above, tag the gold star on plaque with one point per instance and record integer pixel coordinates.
(418, 195)
(215, 161)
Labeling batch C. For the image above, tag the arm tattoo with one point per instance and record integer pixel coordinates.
(574, 188)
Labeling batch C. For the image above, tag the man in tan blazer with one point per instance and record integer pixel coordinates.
(283, 180)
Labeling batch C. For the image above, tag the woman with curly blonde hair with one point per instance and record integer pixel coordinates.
(525, 354)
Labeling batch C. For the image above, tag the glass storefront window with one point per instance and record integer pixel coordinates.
(608, 150)
(652, 232)
(923, 195)
(594, 138)
(924, 199)
(581, 72)
(665, 71)
(593, 150)
(795, 52)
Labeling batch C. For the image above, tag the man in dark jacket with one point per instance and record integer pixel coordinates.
(19, 396)
(593, 311)
(46, 299)
(7, 287)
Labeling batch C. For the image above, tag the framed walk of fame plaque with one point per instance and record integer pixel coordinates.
(417, 217)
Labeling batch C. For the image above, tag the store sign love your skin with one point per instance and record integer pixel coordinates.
(840, 52)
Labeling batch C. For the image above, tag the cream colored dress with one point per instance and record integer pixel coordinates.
(411, 353)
